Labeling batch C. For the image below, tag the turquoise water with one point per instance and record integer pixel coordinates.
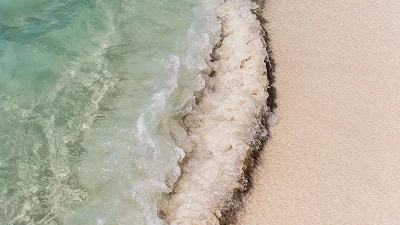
(85, 88)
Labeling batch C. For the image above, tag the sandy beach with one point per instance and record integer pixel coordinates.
(334, 154)
(163, 112)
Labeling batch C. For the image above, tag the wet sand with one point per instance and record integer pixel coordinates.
(334, 156)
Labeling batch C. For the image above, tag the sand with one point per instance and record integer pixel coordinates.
(334, 156)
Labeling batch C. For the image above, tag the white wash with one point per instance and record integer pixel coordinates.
(223, 124)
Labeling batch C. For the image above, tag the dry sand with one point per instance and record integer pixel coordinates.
(334, 156)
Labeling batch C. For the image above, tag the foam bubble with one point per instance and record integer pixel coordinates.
(222, 126)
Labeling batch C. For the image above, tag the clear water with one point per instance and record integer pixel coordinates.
(85, 88)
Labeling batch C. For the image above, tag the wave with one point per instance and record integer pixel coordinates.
(227, 125)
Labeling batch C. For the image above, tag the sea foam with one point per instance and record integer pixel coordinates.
(225, 124)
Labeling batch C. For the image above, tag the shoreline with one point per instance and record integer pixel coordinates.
(223, 135)
(267, 117)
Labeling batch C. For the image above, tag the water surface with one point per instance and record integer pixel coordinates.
(85, 88)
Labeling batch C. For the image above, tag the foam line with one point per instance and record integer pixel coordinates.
(226, 125)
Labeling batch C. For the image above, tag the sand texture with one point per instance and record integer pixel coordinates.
(334, 156)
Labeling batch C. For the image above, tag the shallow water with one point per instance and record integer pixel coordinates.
(85, 89)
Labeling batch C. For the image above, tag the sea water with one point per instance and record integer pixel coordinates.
(86, 88)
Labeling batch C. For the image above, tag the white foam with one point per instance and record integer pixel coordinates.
(221, 127)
